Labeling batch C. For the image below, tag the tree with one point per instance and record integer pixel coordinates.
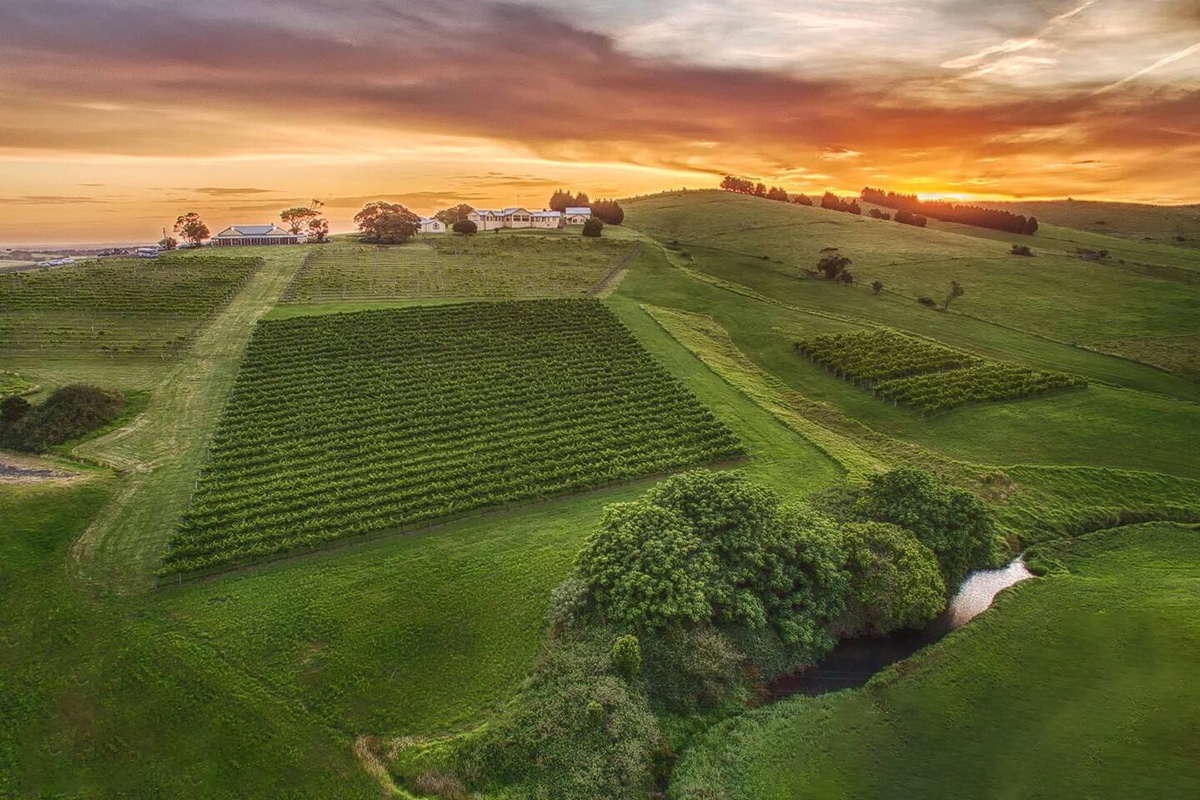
(593, 227)
(956, 291)
(560, 200)
(760, 190)
(12, 409)
(802, 200)
(777, 193)
(580, 200)
(191, 228)
(951, 522)
(454, 214)
(297, 218)
(833, 264)
(876, 287)
(387, 223)
(317, 229)
(609, 212)
(464, 226)
(168, 243)
(895, 582)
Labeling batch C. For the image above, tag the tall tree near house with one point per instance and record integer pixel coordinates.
(386, 223)
(956, 291)
(317, 229)
(560, 200)
(454, 214)
(581, 199)
(609, 212)
(191, 228)
(298, 218)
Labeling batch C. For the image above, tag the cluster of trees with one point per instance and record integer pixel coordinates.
(949, 212)
(731, 183)
(705, 584)
(834, 203)
(68, 413)
(833, 266)
(386, 223)
(306, 220)
(877, 214)
(562, 199)
(608, 211)
(906, 217)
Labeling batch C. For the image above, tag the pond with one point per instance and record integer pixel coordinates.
(854, 661)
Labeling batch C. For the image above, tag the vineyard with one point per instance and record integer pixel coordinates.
(346, 424)
(115, 307)
(484, 265)
(924, 375)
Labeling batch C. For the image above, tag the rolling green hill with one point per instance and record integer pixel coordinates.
(257, 682)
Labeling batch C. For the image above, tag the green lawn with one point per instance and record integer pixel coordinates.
(1076, 685)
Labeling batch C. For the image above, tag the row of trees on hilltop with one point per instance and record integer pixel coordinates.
(609, 211)
(834, 203)
(732, 183)
(949, 212)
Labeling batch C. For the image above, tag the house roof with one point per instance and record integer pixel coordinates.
(255, 230)
(578, 210)
(427, 220)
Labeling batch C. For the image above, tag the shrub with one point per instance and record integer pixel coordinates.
(927, 301)
(627, 657)
(12, 409)
(895, 582)
(68, 413)
(691, 669)
(464, 226)
(1021, 250)
(568, 604)
(593, 227)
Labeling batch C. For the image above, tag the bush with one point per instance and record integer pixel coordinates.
(68, 413)
(593, 227)
(627, 657)
(465, 226)
(12, 410)
(1020, 250)
(927, 301)
(691, 669)
(895, 582)
(951, 522)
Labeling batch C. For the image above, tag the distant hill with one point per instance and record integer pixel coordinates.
(1177, 225)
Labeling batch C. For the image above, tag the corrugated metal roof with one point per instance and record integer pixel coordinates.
(573, 210)
(256, 230)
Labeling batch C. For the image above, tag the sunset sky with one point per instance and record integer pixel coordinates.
(118, 115)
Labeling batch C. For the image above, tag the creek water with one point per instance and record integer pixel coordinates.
(854, 661)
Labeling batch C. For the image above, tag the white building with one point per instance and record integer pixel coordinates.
(432, 225)
(490, 219)
(256, 234)
(576, 215)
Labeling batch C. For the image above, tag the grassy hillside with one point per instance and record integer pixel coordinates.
(1075, 685)
(1135, 221)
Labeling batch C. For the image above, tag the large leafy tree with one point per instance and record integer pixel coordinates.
(712, 547)
(609, 212)
(299, 218)
(895, 581)
(951, 522)
(454, 214)
(386, 223)
(561, 199)
(191, 228)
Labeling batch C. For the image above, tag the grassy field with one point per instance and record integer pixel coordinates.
(1075, 685)
(504, 264)
(1134, 221)
(255, 684)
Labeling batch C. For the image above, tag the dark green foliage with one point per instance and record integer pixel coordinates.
(1021, 250)
(833, 265)
(68, 413)
(713, 547)
(956, 291)
(688, 669)
(455, 214)
(576, 731)
(627, 657)
(609, 212)
(876, 287)
(927, 301)
(346, 424)
(593, 227)
(12, 409)
(951, 522)
(991, 380)
(881, 354)
(895, 581)
(464, 226)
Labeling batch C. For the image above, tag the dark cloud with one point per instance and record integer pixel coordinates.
(506, 72)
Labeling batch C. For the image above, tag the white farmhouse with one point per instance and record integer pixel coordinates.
(576, 215)
(256, 234)
(490, 219)
(546, 219)
(432, 225)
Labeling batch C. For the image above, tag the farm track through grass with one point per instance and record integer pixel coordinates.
(162, 449)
